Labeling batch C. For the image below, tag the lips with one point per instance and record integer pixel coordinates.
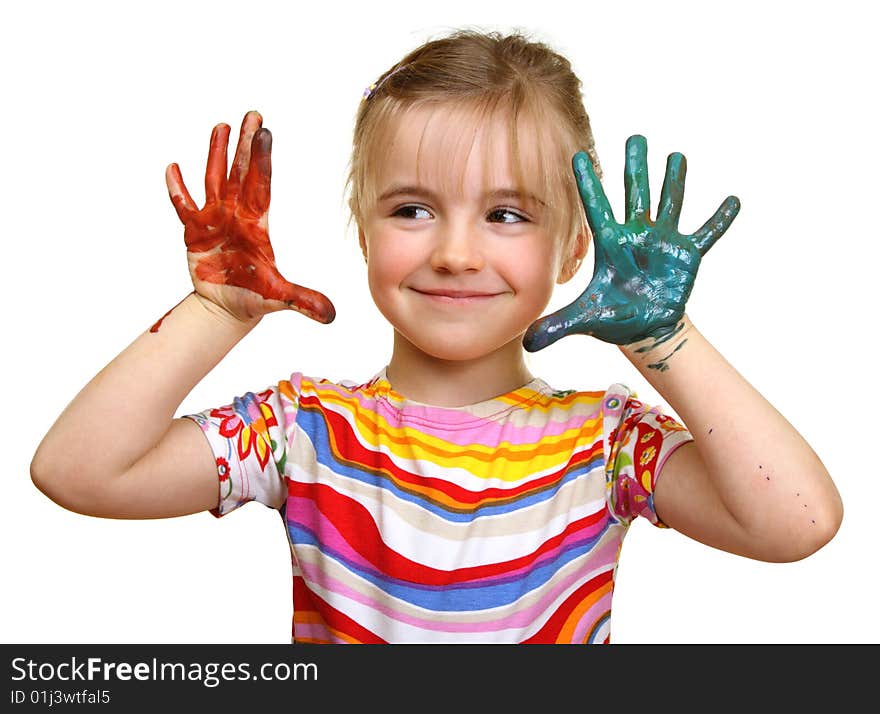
(456, 294)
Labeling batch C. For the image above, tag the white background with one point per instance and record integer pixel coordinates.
(773, 102)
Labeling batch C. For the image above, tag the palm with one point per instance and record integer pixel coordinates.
(644, 269)
(227, 247)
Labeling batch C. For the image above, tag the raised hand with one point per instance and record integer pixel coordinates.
(230, 258)
(644, 269)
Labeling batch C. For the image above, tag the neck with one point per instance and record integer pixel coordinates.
(423, 378)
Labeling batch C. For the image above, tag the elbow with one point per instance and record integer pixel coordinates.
(42, 477)
(820, 522)
(57, 484)
(39, 473)
(828, 521)
(828, 525)
(819, 532)
(75, 488)
(790, 535)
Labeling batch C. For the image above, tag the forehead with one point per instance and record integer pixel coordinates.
(459, 151)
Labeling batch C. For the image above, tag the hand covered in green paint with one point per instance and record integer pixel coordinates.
(644, 269)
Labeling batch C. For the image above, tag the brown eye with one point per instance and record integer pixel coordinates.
(407, 211)
(512, 216)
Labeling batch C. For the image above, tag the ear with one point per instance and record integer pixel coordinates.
(362, 239)
(572, 262)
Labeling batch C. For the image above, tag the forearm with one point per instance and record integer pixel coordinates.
(764, 472)
(126, 408)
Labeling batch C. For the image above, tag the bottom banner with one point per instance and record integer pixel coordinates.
(130, 677)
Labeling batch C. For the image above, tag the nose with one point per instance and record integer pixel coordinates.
(457, 249)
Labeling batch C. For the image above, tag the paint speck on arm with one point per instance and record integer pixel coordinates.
(157, 325)
(710, 431)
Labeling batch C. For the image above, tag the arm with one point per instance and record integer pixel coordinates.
(115, 451)
(749, 483)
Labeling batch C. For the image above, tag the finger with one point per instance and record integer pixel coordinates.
(635, 179)
(309, 302)
(183, 203)
(215, 173)
(716, 226)
(257, 181)
(576, 318)
(672, 193)
(249, 125)
(596, 205)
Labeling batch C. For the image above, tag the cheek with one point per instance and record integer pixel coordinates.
(387, 268)
(541, 291)
(532, 273)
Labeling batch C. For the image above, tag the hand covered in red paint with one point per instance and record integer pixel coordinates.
(231, 261)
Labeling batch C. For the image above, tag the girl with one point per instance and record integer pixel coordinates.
(453, 496)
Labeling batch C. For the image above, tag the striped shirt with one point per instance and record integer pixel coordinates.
(499, 521)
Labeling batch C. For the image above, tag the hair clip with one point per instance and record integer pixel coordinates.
(369, 90)
(374, 87)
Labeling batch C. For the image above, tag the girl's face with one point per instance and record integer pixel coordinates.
(459, 263)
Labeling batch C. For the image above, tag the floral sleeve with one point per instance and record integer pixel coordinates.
(249, 439)
(638, 440)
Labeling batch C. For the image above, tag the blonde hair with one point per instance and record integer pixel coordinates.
(486, 74)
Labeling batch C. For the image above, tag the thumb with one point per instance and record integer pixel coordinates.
(310, 303)
(575, 318)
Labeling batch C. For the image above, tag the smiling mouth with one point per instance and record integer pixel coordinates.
(456, 296)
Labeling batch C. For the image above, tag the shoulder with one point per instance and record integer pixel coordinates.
(596, 414)
(278, 403)
(322, 392)
(621, 407)
(544, 396)
(611, 405)
(630, 424)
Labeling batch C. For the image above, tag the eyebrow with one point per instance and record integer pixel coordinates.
(414, 190)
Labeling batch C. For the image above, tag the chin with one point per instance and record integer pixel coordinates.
(459, 348)
(455, 354)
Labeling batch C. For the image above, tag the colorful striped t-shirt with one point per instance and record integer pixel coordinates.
(496, 522)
